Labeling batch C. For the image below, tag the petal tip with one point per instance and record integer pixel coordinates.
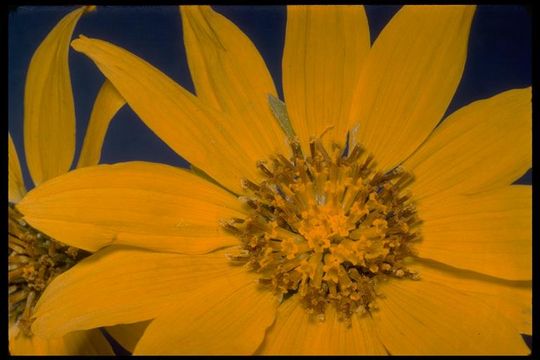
(78, 43)
(90, 8)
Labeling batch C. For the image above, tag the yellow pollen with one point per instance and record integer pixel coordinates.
(327, 226)
(34, 260)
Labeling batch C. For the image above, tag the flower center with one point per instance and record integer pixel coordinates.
(34, 261)
(327, 227)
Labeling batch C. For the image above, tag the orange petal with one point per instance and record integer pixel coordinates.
(149, 205)
(490, 232)
(49, 114)
(91, 342)
(128, 335)
(201, 134)
(511, 298)
(218, 320)
(229, 74)
(16, 188)
(482, 146)
(426, 318)
(107, 104)
(325, 48)
(295, 332)
(409, 78)
(122, 285)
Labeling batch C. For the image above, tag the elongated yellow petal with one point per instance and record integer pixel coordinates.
(295, 332)
(202, 135)
(49, 114)
(325, 48)
(91, 342)
(490, 233)
(484, 145)
(218, 320)
(423, 317)
(121, 285)
(149, 205)
(511, 298)
(229, 74)
(107, 104)
(409, 78)
(128, 335)
(16, 188)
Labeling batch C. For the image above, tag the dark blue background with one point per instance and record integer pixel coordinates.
(499, 58)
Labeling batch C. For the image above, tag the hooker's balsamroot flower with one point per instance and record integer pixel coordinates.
(283, 240)
(35, 259)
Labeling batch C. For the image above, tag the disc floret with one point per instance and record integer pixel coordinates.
(34, 260)
(327, 226)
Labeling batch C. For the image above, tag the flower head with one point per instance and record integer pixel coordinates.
(287, 238)
(36, 259)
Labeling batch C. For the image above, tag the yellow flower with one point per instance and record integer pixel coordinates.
(49, 138)
(412, 242)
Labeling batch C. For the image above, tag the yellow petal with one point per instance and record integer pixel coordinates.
(122, 285)
(490, 233)
(511, 298)
(423, 317)
(128, 335)
(149, 205)
(295, 332)
(16, 188)
(91, 342)
(202, 135)
(229, 74)
(325, 48)
(409, 78)
(107, 104)
(484, 145)
(218, 320)
(49, 114)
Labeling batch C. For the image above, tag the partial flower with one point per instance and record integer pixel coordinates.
(35, 258)
(286, 239)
